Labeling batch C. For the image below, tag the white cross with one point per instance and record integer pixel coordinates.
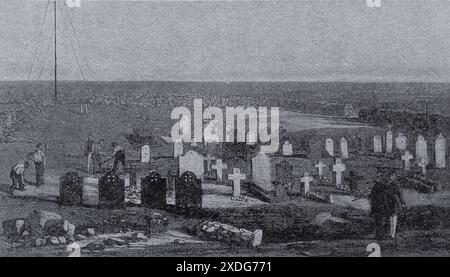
(423, 165)
(406, 158)
(306, 179)
(219, 166)
(208, 160)
(237, 176)
(320, 167)
(339, 167)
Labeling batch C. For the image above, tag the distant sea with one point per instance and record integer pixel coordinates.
(410, 96)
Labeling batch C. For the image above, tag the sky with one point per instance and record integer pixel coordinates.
(298, 40)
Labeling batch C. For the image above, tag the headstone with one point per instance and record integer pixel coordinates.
(237, 176)
(91, 191)
(421, 149)
(329, 146)
(284, 172)
(219, 167)
(423, 166)
(71, 189)
(287, 149)
(178, 149)
(261, 171)
(211, 132)
(400, 142)
(251, 138)
(339, 167)
(154, 191)
(111, 191)
(192, 161)
(188, 191)
(209, 158)
(315, 150)
(389, 141)
(145, 154)
(440, 151)
(320, 167)
(306, 179)
(344, 148)
(407, 157)
(377, 144)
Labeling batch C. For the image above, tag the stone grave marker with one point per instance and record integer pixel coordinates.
(423, 166)
(145, 154)
(338, 168)
(440, 151)
(400, 142)
(154, 191)
(284, 172)
(219, 167)
(188, 191)
(306, 179)
(71, 190)
(320, 165)
(421, 149)
(178, 149)
(389, 141)
(377, 144)
(236, 177)
(329, 146)
(111, 191)
(90, 191)
(407, 157)
(261, 171)
(344, 148)
(287, 149)
(209, 158)
(192, 161)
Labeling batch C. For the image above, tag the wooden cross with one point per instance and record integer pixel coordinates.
(339, 167)
(320, 167)
(306, 179)
(219, 166)
(237, 176)
(406, 158)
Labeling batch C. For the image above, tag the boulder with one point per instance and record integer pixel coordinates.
(44, 223)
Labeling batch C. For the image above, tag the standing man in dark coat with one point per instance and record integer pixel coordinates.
(118, 156)
(386, 201)
(378, 207)
(396, 202)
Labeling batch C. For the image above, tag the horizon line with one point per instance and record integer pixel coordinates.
(243, 81)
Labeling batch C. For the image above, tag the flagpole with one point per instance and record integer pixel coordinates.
(56, 72)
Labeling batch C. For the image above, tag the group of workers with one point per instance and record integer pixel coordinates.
(18, 169)
(94, 155)
(94, 158)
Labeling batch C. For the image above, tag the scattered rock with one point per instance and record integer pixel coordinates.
(91, 232)
(54, 241)
(95, 246)
(229, 234)
(62, 240)
(112, 241)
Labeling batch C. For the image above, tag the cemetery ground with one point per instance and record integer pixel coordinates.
(292, 219)
(294, 227)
